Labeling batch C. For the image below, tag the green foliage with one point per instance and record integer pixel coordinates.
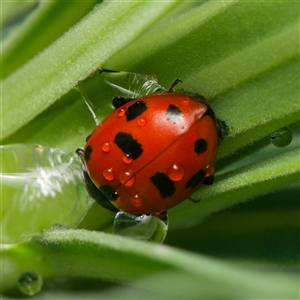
(244, 58)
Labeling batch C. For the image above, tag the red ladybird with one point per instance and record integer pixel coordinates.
(151, 153)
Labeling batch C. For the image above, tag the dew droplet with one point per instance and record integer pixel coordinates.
(109, 174)
(30, 283)
(141, 227)
(185, 102)
(124, 176)
(176, 172)
(81, 130)
(121, 112)
(142, 122)
(210, 169)
(282, 137)
(106, 147)
(127, 159)
(58, 226)
(136, 200)
(127, 178)
(130, 182)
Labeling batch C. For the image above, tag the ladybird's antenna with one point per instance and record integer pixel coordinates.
(173, 85)
(88, 103)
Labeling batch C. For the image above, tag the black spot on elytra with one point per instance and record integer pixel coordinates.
(87, 153)
(128, 144)
(108, 192)
(135, 110)
(173, 112)
(195, 179)
(200, 146)
(164, 184)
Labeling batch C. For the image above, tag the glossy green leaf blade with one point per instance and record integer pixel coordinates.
(243, 57)
(262, 233)
(146, 265)
(238, 186)
(80, 51)
(49, 20)
(10, 11)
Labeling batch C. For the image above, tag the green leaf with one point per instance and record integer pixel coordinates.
(149, 266)
(244, 58)
(38, 31)
(74, 56)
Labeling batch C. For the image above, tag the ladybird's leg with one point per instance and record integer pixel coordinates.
(222, 129)
(176, 81)
(209, 180)
(194, 200)
(164, 217)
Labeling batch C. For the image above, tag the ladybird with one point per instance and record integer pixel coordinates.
(151, 153)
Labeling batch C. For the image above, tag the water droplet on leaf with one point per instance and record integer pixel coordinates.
(30, 283)
(81, 130)
(282, 137)
(40, 186)
(143, 227)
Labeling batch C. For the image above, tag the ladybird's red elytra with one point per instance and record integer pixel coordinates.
(152, 153)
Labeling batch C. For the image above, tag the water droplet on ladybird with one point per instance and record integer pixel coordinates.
(130, 182)
(127, 159)
(185, 102)
(282, 137)
(176, 172)
(81, 130)
(30, 283)
(136, 200)
(124, 176)
(209, 170)
(106, 147)
(127, 178)
(142, 122)
(109, 174)
(121, 112)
